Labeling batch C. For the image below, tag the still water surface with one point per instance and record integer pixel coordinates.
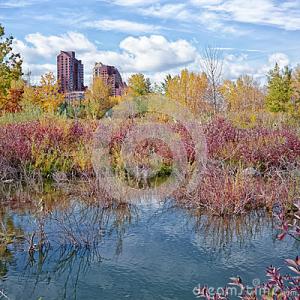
(140, 251)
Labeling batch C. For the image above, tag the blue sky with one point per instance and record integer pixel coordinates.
(155, 37)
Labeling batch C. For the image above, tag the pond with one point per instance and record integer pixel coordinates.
(142, 250)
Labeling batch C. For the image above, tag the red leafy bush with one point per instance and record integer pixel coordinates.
(220, 192)
(259, 147)
(42, 142)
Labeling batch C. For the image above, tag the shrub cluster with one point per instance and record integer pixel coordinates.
(45, 146)
(257, 147)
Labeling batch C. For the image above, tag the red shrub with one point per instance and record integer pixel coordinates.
(258, 147)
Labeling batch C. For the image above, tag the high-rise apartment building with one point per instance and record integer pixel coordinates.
(111, 76)
(69, 72)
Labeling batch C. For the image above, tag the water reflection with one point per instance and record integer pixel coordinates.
(221, 232)
(59, 236)
(10, 235)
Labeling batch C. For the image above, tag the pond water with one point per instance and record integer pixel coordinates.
(145, 250)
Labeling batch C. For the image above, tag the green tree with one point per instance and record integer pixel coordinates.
(280, 89)
(166, 83)
(10, 63)
(139, 85)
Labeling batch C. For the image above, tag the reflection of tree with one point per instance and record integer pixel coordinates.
(85, 224)
(6, 258)
(67, 242)
(68, 230)
(220, 232)
(9, 234)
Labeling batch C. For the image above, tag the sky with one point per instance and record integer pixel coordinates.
(155, 37)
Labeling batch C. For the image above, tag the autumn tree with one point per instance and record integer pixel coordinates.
(31, 98)
(98, 99)
(11, 102)
(48, 93)
(242, 94)
(280, 89)
(46, 96)
(165, 83)
(189, 89)
(139, 85)
(10, 63)
(294, 107)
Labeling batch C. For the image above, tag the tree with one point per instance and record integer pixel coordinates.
(97, 99)
(212, 65)
(165, 83)
(138, 85)
(10, 63)
(11, 102)
(280, 89)
(48, 93)
(295, 103)
(189, 89)
(46, 96)
(30, 98)
(244, 94)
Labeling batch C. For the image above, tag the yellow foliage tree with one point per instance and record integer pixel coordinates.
(46, 96)
(30, 98)
(49, 96)
(97, 99)
(11, 102)
(189, 89)
(294, 107)
(138, 85)
(244, 94)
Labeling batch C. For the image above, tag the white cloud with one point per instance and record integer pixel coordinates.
(37, 46)
(237, 65)
(206, 2)
(144, 54)
(280, 58)
(182, 12)
(133, 2)
(17, 3)
(212, 22)
(168, 11)
(122, 26)
(284, 15)
(156, 53)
